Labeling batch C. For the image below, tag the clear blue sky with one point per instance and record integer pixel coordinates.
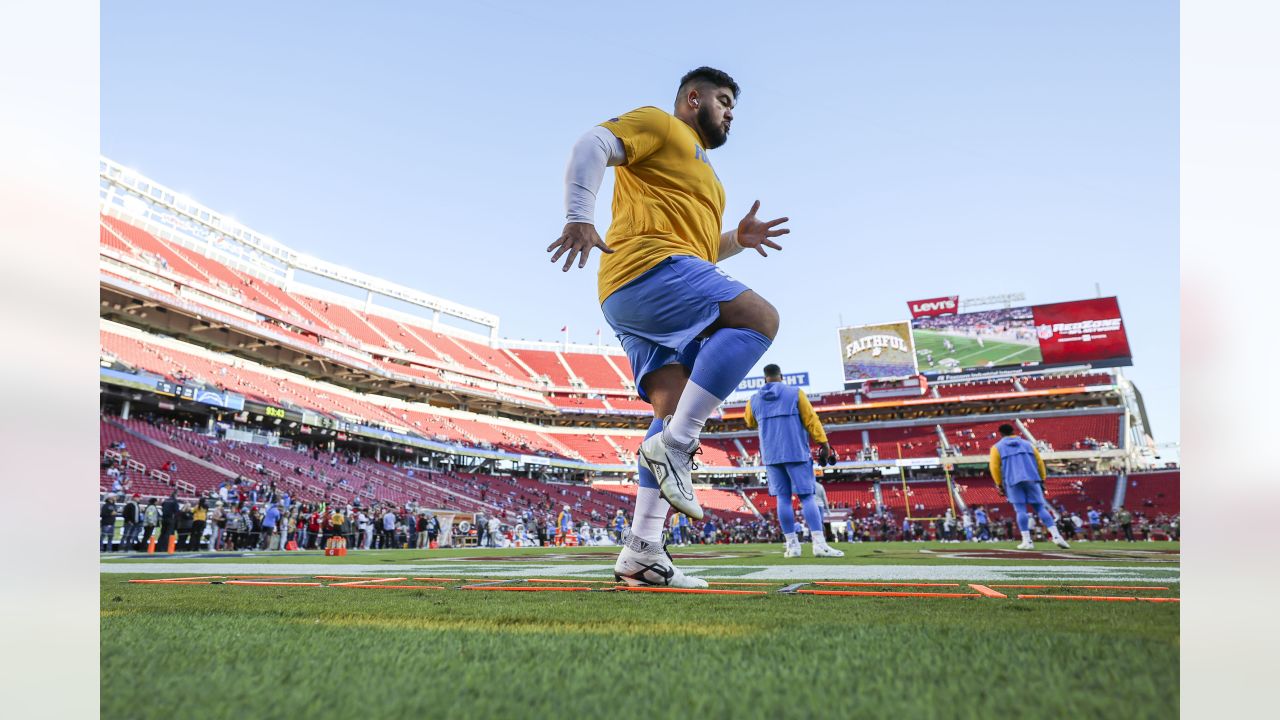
(920, 148)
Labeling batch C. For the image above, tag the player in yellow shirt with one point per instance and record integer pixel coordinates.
(1019, 473)
(690, 331)
(787, 423)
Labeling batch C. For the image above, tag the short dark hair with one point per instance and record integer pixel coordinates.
(1006, 429)
(772, 370)
(710, 75)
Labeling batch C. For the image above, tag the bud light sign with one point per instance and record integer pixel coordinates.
(753, 384)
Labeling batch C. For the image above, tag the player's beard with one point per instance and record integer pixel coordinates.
(713, 135)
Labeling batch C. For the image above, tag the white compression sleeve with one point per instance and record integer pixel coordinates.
(594, 151)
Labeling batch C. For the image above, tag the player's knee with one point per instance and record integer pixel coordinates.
(767, 319)
(663, 387)
(752, 312)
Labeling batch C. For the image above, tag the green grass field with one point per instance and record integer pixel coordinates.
(265, 652)
(969, 353)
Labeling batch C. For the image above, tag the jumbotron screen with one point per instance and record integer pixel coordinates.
(1080, 331)
(877, 352)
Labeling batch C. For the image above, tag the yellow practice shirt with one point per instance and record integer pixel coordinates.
(667, 199)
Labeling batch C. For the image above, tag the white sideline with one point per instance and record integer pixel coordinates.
(974, 573)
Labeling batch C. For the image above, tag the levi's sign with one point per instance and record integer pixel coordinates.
(948, 305)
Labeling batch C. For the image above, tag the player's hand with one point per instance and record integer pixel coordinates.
(577, 238)
(755, 233)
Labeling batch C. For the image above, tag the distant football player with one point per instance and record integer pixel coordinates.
(619, 526)
(1019, 475)
(787, 423)
(690, 331)
(564, 523)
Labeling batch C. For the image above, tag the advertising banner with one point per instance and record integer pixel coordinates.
(1081, 331)
(1076, 332)
(754, 383)
(948, 305)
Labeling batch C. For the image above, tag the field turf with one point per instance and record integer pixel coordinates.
(969, 353)
(267, 652)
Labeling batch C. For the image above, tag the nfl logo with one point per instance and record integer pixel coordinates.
(1044, 332)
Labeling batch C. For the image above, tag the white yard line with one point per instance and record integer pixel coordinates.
(743, 572)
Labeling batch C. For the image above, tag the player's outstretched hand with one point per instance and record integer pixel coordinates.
(755, 233)
(577, 238)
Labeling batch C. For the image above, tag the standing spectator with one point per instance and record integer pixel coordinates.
(389, 529)
(334, 527)
(218, 519)
(364, 526)
(107, 520)
(185, 522)
(271, 527)
(424, 526)
(150, 519)
(495, 526)
(132, 524)
(1125, 519)
(314, 528)
(410, 529)
(168, 520)
(199, 519)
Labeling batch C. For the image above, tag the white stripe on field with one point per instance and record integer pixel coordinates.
(990, 573)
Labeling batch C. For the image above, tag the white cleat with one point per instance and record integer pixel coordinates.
(1026, 546)
(672, 467)
(826, 551)
(1061, 543)
(793, 551)
(645, 564)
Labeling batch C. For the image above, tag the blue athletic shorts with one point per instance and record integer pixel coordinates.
(659, 315)
(791, 478)
(1025, 492)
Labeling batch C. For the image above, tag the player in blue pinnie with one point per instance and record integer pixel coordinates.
(787, 423)
(690, 331)
(1019, 475)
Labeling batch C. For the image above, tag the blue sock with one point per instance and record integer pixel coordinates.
(1023, 523)
(812, 515)
(786, 515)
(726, 357)
(1045, 516)
(646, 478)
(723, 360)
